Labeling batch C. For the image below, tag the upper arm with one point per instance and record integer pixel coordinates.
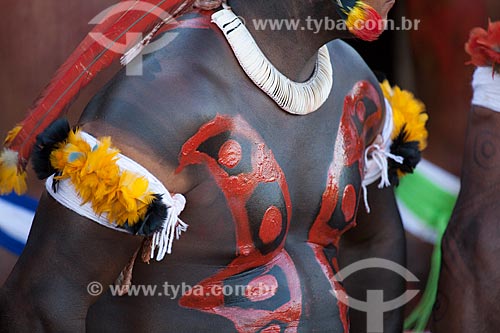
(65, 251)
(378, 235)
(64, 254)
(383, 223)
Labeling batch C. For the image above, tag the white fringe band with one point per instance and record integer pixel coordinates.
(377, 155)
(486, 88)
(293, 97)
(162, 239)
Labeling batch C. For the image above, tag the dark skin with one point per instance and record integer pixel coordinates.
(150, 118)
(381, 226)
(468, 291)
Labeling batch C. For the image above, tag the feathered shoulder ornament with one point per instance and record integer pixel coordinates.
(409, 134)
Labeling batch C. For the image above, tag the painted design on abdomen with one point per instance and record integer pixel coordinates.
(257, 194)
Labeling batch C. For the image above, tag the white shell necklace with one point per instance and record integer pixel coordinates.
(299, 98)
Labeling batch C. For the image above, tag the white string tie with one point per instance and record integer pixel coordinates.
(172, 228)
(377, 156)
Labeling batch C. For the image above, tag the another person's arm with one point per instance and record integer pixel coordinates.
(469, 288)
(469, 291)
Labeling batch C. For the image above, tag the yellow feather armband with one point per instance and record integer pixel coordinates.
(121, 195)
(92, 178)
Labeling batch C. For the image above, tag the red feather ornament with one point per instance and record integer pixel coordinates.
(364, 22)
(484, 46)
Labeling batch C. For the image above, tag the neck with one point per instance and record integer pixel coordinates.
(292, 51)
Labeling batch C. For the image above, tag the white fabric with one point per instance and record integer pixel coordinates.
(293, 97)
(377, 155)
(414, 225)
(15, 220)
(486, 88)
(163, 239)
(440, 177)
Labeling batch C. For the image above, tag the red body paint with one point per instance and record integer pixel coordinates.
(349, 202)
(238, 189)
(267, 275)
(349, 149)
(261, 288)
(270, 228)
(230, 154)
(272, 329)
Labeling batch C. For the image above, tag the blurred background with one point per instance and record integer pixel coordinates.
(37, 36)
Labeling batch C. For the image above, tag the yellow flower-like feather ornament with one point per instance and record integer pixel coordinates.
(409, 135)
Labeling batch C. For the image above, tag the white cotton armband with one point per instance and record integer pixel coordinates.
(486, 88)
(377, 155)
(64, 193)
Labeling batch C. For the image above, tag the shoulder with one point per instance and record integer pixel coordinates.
(344, 50)
(161, 87)
(346, 60)
(183, 67)
(354, 79)
(154, 104)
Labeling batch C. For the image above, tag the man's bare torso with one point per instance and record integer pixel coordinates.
(268, 193)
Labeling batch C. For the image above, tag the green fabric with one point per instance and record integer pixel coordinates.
(433, 206)
(419, 318)
(427, 201)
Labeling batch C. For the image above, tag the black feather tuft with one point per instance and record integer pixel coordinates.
(55, 181)
(154, 219)
(46, 142)
(409, 151)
